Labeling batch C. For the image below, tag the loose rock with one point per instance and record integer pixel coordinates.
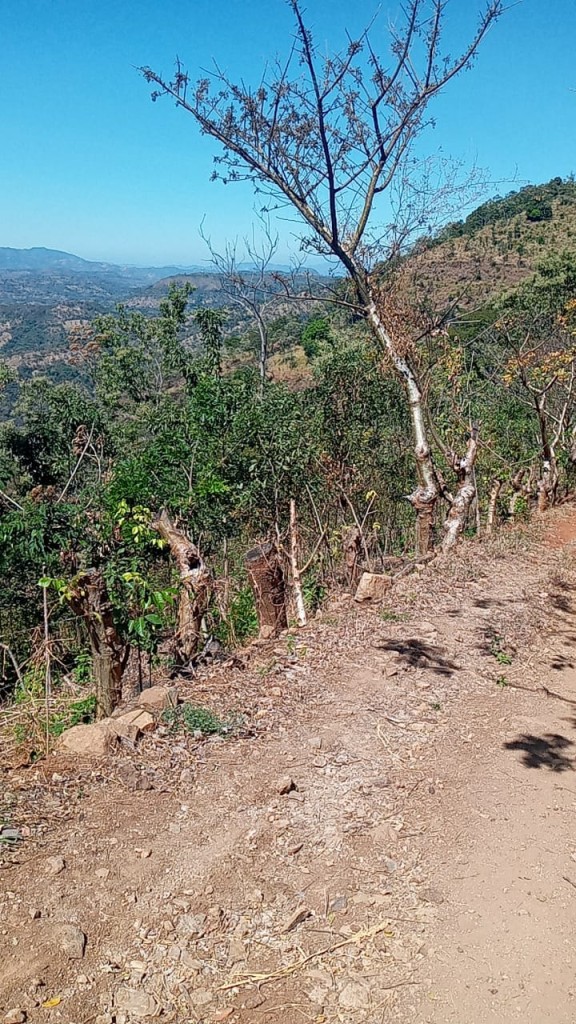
(285, 785)
(15, 1016)
(136, 1002)
(372, 587)
(72, 941)
(54, 865)
(158, 698)
(143, 720)
(354, 996)
(89, 740)
(296, 918)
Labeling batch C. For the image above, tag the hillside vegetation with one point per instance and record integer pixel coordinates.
(171, 407)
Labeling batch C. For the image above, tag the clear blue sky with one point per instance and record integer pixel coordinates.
(88, 164)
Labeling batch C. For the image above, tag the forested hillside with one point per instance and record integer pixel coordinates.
(177, 434)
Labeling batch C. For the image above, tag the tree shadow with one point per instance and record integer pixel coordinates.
(420, 655)
(561, 603)
(561, 662)
(547, 751)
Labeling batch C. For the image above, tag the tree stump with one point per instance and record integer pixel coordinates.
(266, 575)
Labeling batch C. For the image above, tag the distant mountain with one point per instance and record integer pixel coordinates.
(40, 260)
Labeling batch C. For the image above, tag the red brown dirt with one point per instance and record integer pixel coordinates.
(426, 855)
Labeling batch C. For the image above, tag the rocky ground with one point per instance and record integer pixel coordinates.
(385, 835)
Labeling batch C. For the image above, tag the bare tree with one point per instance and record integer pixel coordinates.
(252, 289)
(329, 136)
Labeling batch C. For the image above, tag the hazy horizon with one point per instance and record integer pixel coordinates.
(92, 167)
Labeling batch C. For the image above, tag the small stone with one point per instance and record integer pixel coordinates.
(201, 997)
(186, 777)
(135, 1001)
(72, 941)
(15, 1016)
(191, 924)
(102, 873)
(284, 785)
(145, 853)
(34, 913)
(354, 996)
(319, 762)
(432, 896)
(82, 979)
(54, 865)
(158, 698)
(316, 742)
(236, 951)
(299, 915)
(294, 848)
(248, 1001)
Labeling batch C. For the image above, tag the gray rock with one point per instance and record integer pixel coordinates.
(135, 1001)
(15, 1016)
(354, 996)
(72, 941)
(54, 865)
(201, 997)
(191, 924)
(10, 835)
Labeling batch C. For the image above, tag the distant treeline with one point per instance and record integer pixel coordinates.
(535, 201)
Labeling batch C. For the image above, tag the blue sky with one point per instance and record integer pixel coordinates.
(88, 164)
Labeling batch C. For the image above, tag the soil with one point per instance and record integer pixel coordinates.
(388, 836)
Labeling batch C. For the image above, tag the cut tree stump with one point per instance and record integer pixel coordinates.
(266, 575)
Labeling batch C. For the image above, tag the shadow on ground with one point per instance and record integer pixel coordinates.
(547, 751)
(420, 655)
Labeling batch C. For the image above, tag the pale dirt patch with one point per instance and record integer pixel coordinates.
(413, 872)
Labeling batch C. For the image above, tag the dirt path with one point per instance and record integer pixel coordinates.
(389, 841)
(504, 947)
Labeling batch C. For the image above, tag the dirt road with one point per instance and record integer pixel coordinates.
(391, 839)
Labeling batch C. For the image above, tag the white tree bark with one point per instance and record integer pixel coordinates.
(423, 499)
(460, 507)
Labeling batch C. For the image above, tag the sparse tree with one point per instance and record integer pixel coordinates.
(252, 287)
(329, 136)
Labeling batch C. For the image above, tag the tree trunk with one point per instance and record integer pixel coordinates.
(492, 503)
(194, 587)
(423, 499)
(90, 600)
(547, 485)
(263, 355)
(266, 576)
(294, 570)
(548, 482)
(352, 555)
(460, 507)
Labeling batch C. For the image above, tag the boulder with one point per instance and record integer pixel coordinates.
(95, 740)
(372, 586)
(158, 698)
